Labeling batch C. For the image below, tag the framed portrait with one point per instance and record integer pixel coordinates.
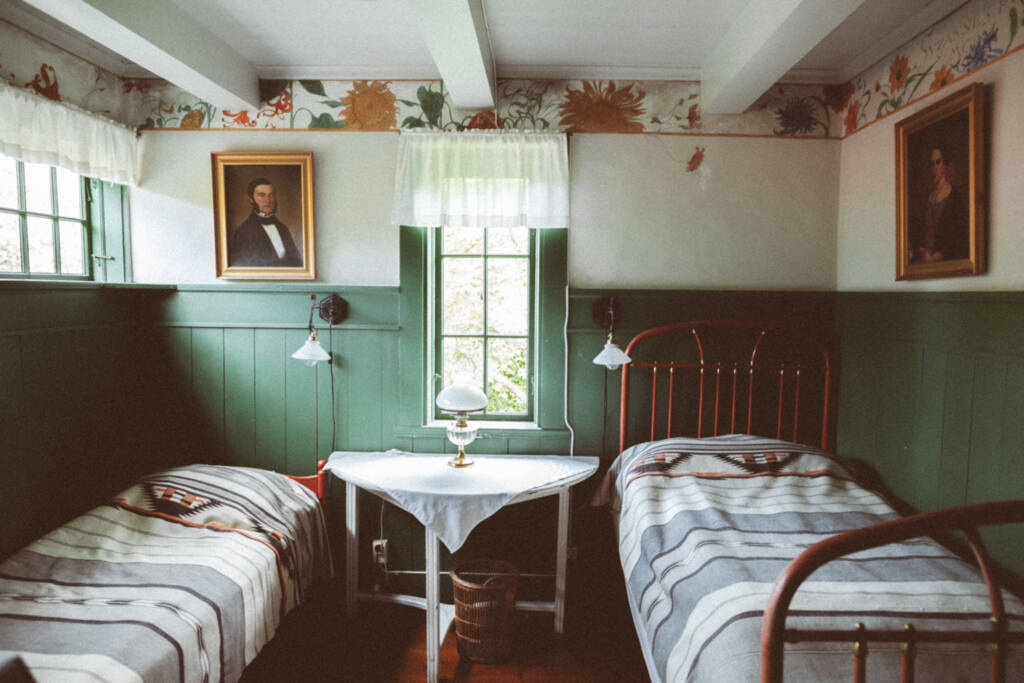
(263, 215)
(940, 195)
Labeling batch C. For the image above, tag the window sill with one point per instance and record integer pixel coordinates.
(505, 430)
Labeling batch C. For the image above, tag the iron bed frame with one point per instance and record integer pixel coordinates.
(723, 403)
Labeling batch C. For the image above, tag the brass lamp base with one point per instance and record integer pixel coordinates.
(460, 460)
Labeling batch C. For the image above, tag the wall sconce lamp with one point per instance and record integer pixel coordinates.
(603, 314)
(332, 310)
(459, 400)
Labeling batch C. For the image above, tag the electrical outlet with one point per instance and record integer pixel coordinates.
(380, 551)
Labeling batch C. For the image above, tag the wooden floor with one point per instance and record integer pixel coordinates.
(387, 642)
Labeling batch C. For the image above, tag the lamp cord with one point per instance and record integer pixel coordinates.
(604, 414)
(565, 375)
(334, 416)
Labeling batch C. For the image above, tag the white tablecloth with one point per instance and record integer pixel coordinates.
(452, 501)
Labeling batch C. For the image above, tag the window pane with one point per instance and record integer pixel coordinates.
(506, 376)
(462, 296)
(462, 361)
(10, 244)
(71, 258)
(508, 303)
(8, 182)
(462, 241)
(40, 245)
(38, 194)
(508, 240)
(69, 195)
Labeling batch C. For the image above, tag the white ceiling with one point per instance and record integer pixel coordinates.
(419, 39)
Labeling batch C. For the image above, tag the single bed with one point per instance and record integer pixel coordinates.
(708, 523)
(182, 577)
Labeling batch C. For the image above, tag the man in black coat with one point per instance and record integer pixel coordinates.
(262, 241)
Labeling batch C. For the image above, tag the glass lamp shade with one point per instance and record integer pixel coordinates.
(311, 352)
(611, 356)
(460, 399)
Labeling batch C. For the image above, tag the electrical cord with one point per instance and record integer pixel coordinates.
(565, 376)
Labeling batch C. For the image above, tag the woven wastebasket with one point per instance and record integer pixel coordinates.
(485, 604)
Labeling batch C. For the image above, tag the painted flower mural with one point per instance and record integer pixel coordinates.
(838, 96)
(602, 110)
(943, 77)
(695, 160)
(796, 117)
(899, 71)
(369, 106)
(193, 119)
(484, 120)
(981, 51)
(45, 83)
(852, 118)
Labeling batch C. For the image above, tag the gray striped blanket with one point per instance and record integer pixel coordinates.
(182, 577)
(705, 527)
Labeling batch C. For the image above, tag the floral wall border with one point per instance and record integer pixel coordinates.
(970, 38)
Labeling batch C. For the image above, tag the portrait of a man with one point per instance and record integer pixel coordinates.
(262, 240)
(264, 215)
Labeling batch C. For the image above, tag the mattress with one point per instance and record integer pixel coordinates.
(182, 577)
(705, 526)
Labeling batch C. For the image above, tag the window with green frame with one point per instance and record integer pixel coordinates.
(54, 222)
(483, 315)
(42, 221)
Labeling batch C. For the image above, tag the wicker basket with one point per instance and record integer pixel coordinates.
(484, 612)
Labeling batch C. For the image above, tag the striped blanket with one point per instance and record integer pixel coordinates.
(705, 527)
(182, 577)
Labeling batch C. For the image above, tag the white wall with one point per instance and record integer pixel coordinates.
(867, 195)
(758, 213)
(353, 182)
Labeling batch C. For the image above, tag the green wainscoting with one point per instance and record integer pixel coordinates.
(932, 394)
(75, 380)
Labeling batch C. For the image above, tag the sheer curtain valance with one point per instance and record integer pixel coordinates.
(482, 179)
(38, 130)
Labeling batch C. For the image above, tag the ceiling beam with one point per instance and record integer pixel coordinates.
(456, 35)
(767, 39)
(165, 40)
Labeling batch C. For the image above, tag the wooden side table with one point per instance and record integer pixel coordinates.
(437, 495)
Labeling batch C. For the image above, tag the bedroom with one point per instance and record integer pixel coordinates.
(106, 383)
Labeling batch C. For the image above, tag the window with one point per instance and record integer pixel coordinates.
(483, 316)
(43, 222)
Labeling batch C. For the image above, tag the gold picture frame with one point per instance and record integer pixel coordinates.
(263, 215)
(940, 188)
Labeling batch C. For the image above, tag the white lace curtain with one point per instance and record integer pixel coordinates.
(37, 130)
(482, 179)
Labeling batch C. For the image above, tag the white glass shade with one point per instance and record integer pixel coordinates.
(461, 398)
(611, 356)
(311, 352)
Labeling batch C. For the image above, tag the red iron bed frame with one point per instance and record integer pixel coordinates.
(774, 382)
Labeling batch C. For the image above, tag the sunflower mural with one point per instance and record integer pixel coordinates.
(602, 110)
(369, 105)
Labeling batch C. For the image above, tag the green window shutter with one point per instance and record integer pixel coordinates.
(108, 232)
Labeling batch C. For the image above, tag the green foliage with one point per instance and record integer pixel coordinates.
(315, 87)
(325, 120)
(506, 393)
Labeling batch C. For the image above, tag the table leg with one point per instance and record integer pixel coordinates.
(561, 552)
(433, 595)
(351, 547)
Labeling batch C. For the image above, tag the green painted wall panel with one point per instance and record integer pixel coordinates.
(964, 444)
(271, 350)
(956, 428)
(240, 395)
(208, 384)
(300, 408)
